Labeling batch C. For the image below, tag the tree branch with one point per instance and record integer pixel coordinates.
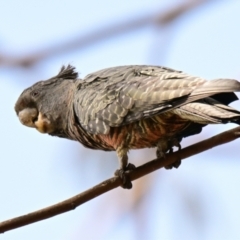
(82, 42)
(114, 182)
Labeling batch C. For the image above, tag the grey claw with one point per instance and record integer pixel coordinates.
(126, 181)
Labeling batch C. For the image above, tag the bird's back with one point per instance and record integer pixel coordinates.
(148, 103)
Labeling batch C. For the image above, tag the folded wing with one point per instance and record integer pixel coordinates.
(117, 96)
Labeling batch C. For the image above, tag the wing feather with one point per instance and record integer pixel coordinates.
(117, 96)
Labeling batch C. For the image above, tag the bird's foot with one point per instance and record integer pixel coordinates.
(176, 164)
(126, 181)
(168, 147)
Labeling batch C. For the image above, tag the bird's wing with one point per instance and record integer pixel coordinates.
(117, 96)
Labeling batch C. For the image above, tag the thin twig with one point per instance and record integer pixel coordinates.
(114, 182)
(82, 42)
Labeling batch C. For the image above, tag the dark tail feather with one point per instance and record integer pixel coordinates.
(237, 121)
(225, 98)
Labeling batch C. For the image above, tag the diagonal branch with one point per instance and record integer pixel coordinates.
(115, 182)
(162, 18)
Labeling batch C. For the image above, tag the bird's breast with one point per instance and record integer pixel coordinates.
(144, 133)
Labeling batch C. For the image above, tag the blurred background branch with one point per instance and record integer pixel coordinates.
(162, 18)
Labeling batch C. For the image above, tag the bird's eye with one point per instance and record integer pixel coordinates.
(35, 93)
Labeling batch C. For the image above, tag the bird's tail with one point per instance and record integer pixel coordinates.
(213, 87)
(209, 104)
(209, 110)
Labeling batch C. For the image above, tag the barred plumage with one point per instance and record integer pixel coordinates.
(127, 107)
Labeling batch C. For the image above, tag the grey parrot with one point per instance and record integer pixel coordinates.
(127, 107)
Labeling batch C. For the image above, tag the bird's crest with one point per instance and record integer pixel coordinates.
(67, 72)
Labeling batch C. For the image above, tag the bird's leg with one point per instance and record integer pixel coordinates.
(166, 145)
(124, 166)
(162, 148)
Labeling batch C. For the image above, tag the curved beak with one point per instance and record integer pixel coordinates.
(28, 116)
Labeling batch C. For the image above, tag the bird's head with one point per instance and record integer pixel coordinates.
(45, 105)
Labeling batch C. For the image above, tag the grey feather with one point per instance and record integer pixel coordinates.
(120, 95)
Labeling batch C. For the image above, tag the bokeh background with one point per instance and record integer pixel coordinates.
(200, 200)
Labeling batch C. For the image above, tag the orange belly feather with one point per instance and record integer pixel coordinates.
(145, 133)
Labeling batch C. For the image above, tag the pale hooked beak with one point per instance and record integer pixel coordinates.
(30, 117)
